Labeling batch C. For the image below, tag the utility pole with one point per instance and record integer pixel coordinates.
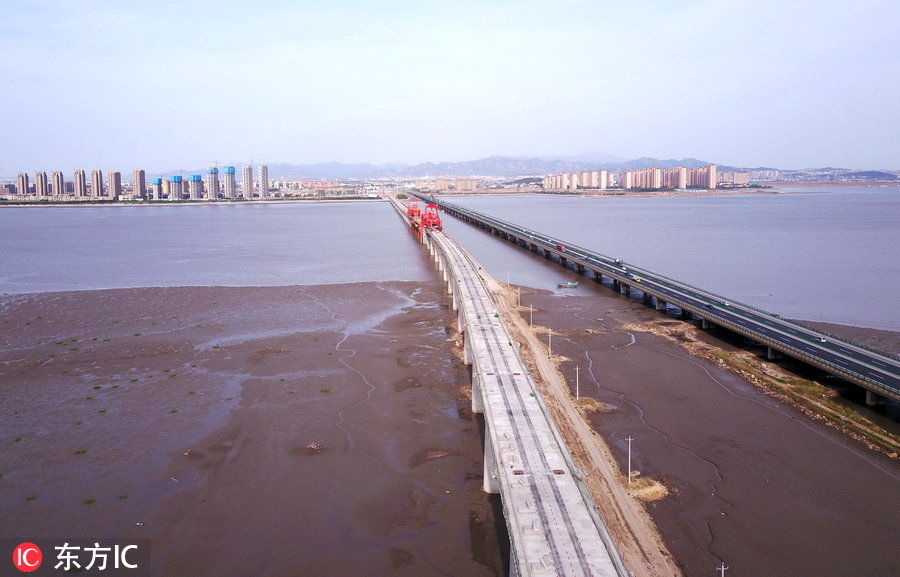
(629, 439)
(722, 569)
(577, 394)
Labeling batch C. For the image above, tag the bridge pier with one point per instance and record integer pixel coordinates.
(477, 393)
(616, 284)
(579, 268)
(873, 399)
(563, 261)
(772, 354)
(491, 482)
(706, 325)
(686, 314)
(624, 288)
(661, 305)
(597, 276)
(467, 351)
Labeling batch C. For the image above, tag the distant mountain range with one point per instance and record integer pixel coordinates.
(509, 166)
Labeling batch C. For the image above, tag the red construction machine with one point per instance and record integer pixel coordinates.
(431, 218)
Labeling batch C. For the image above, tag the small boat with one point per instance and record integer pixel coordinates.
(566, 284)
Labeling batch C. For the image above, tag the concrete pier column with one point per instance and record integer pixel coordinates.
(647, 299)
(563, 261)
(686, 314)
(477, 393)
(491, 482)
(598, 277)
(461, 322)
(661, 305)
(706, 325)
(873, 399)
(624, 288)
(772, 354)
(616, 285)
(467, 353)
(454, 301)
(579, 267)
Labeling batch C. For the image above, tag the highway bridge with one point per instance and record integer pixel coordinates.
(878, 373)
(553, 523)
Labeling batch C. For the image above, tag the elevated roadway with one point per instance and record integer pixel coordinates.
(879, 374)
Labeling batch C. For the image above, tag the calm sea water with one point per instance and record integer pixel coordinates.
(821, 254)
(78, 248)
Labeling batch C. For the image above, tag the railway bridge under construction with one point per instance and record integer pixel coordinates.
(553, 523)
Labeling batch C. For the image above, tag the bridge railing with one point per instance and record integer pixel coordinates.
(516, 229)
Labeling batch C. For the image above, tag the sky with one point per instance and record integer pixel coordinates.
(165, 84)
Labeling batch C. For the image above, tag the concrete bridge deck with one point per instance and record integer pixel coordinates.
(879, 374)
(553, 523)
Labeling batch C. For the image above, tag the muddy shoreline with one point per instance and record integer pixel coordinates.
(270, 431)
(750, 480)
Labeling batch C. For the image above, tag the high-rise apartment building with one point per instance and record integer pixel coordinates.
(59, 184)
(263, 181)
(22, 187)
(156, 188)
(41, 188)
(115, 184)
(176, 187)
(195, 187)
(230, 184)
(140, 183)
(466, 184)
(80, 184)
(703, 177)
(212, 183)
(247, 184)
(96, 183)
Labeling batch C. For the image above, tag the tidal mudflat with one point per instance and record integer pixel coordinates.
(320, 430)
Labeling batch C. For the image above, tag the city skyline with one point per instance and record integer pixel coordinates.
(739, 83)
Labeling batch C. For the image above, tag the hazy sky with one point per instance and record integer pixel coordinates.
(182, 84)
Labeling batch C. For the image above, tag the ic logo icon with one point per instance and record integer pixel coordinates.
(27, 557)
